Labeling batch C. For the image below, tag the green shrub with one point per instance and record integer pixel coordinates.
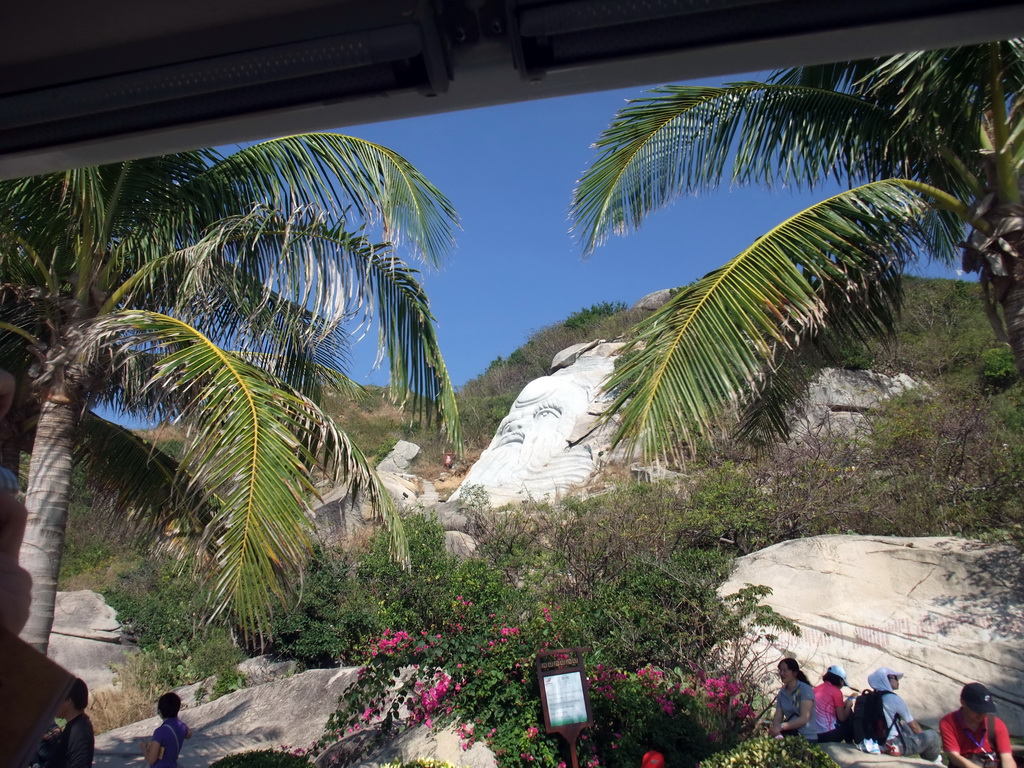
(421, 597)
(228, 681)
(999, 369)
(159, 603)
(477, 673)
(261, 758)
(334, 616)
(348, 599)
(381, 451)
(466, 657)
(166, 609)
(588, 317)
(767, 752)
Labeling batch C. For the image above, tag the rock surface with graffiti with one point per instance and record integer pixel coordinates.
(943, 611)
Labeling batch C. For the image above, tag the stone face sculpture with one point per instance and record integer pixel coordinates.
(546, 444)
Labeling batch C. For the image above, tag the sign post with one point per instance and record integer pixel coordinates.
(564, 694)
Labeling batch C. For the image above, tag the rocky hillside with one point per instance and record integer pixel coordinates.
(922, 436)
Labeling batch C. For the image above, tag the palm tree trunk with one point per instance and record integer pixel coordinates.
(47, 499)
(1013, 313)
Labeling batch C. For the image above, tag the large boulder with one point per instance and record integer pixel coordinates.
(837, 400)
(86, 638)
(288, 712)
(400, 458)
(653, 301)
(342, 515)
(944, 611)
(442, 745)
(849, 756)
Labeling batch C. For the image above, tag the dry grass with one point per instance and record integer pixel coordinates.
(133, 700)
(116, 707)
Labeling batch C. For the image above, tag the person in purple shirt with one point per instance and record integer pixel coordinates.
(163, 750)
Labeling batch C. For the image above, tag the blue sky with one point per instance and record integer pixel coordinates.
(510, 171)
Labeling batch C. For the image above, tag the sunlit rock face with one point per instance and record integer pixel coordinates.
(549, 442)
(944, 611)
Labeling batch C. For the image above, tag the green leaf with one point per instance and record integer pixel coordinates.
(715, 343)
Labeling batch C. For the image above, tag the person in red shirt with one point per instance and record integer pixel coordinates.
(966, 739)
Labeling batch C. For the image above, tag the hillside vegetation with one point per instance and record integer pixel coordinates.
(631, 573)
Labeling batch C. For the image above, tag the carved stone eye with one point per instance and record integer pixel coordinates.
(548, 410)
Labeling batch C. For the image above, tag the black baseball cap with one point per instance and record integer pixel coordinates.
(977, 697)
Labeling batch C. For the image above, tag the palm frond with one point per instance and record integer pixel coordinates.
(714, 342)
(253, 447)
(336, 172)
(686, 139)
(280, 288)
(137, 478)
(419, 376)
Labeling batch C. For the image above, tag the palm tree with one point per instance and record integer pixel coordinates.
(220, 292)
(929, 147)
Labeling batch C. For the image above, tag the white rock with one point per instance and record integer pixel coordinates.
(340, 515)
(289, 712)
(944, 611)
(86, 638)
(459, 544)
(837, 400)
(85, 613)
(570, 355)
(653, 301)
(400, 457)
(442, 745)
(849, 756)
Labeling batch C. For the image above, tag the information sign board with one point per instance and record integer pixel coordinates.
(564, 694)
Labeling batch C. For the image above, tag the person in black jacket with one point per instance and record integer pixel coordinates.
(75, 748)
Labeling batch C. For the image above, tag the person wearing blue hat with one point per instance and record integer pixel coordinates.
(832, 710)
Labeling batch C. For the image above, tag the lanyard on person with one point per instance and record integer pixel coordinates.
(984, 735)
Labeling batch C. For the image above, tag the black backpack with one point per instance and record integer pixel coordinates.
(869, 717)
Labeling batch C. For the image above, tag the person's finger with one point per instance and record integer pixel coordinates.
(13, 517)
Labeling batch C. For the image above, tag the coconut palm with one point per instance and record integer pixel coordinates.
(220, 292)
(929, 149)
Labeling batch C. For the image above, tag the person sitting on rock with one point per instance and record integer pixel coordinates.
(833, 711)
(794, 707)
(904, 730)
(973, 735)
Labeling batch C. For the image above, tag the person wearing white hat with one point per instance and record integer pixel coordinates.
(903, 730)
(832, 709)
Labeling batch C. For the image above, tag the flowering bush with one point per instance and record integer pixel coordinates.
(684, 718)
(478, 675)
